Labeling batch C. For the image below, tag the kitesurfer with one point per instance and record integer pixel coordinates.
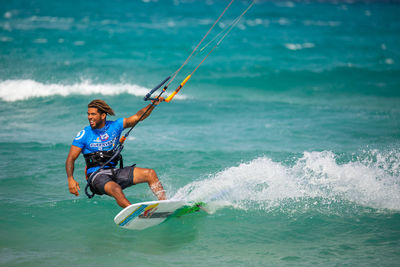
(96, 142)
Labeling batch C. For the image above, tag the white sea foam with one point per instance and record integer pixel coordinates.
(322, 23)
(283, 21)
(79, 43)
(299, 46)
(370, 182)
(13, 90)
(40, 41)
(8, 15)
(6, 39)
(42, 22)
(254, 22)
(49, 19)
(288, 4)
(389, 61)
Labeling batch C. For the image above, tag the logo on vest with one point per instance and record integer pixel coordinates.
(80, 135)
(104, 137)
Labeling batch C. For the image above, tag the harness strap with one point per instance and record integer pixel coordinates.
(113, 175)
(89, 185)
(101, 157)
(103, 160)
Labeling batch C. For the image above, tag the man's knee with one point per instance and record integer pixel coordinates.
(152, 175)
(144, 175)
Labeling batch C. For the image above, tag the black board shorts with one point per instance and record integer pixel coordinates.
(123, 177)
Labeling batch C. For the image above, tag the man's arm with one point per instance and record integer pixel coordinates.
(133, 120)
(69, 167)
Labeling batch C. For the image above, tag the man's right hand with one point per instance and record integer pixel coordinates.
(73, 187)
(69, 167)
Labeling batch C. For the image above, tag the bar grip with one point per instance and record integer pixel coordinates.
(147, 97)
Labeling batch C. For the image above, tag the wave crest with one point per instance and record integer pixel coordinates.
(14, 90)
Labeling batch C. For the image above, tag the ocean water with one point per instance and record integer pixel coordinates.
(289, 131)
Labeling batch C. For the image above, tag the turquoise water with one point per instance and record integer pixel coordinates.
(290, 131)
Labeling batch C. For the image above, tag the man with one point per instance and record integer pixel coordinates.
(95, 142)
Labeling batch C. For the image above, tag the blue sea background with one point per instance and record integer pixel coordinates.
(290, 131)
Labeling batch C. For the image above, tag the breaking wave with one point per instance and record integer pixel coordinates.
(14, 90)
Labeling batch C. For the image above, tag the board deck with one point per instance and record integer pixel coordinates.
(143, 215)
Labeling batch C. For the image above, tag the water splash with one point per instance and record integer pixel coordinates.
(371, 180)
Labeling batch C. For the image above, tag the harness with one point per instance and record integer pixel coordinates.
(98, 158)
(103, 159)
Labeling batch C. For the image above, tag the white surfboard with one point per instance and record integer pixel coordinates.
(146, 214)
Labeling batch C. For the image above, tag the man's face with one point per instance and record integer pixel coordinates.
(96, 119)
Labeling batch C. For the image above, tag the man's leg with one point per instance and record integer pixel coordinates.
(143, 175)
(113, 189)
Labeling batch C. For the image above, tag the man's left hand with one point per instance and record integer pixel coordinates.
(158, 101)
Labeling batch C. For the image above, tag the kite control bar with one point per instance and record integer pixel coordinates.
(169, 98)
(148, 96)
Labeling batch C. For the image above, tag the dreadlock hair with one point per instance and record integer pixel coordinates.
(101, 106)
